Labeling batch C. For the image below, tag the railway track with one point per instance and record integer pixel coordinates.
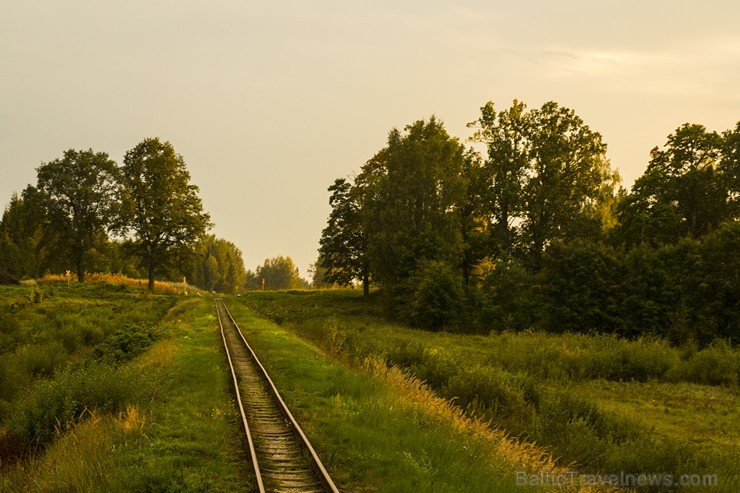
(280, 453)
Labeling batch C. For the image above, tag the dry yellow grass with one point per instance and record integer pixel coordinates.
(160, 354)
(102, 278)
(81, 458)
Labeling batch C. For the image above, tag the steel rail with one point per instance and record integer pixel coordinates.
(252, 450)
(318, 466)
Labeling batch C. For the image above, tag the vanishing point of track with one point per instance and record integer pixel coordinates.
(281, 455)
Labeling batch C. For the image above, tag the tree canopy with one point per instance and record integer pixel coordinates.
(278, 273)
(160, 206)
(79, 197)
(535, 234)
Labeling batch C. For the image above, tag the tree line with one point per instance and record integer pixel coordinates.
(537, 232)
(141, 219)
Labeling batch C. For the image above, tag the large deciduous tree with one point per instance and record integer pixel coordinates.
(162, 207)
(546, 177)
(343, 250)
(682, 193)
(79, 196)
(413, 213)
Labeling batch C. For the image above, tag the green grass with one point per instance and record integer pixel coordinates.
(597, 403)
(147, 408)
(580, 396)
(378, 430)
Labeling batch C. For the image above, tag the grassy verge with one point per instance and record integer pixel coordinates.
(141, 410)
(582, 397)
(377, 429)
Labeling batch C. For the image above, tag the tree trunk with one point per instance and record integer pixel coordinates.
(151, 276)
(365, 286)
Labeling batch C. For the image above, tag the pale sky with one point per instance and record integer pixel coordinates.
(269, 102)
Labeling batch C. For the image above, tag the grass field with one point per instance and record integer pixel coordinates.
(600, 404)
(108, 388)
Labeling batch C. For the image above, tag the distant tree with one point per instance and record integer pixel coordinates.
(343, 250)
(280, 273)
(79, 196)
(251, 281)
(218, 266)
(682, 192)
(23, 253)
(317, 274)
(162, 208)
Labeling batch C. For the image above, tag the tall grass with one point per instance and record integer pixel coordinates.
(528, 383)
(145, 408)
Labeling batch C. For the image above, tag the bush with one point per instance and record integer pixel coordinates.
(60, 402)
(493, 393)
(579, 431)
(41, 360)
(621, 360)
(718, 364)
(507, 298)
(126, 343)
(437, 295)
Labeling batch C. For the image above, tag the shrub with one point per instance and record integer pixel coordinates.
(493, 393)
(42, 359)
(579, 431)
(58, 403)
(126, 343)
(640, 360)
(717, 364)
(437, 296)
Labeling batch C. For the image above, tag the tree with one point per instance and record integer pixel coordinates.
(79, 196)
(162, 208)
(503, 173)
(22, 249)
(343, 250)
(218, 266)
(412, 212)
(730, 169)
(682, 192)
(280, 273)
(546, 178)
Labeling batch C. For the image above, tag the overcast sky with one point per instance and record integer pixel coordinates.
(269, 102)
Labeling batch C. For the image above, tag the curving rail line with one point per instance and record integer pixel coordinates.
(281, 455)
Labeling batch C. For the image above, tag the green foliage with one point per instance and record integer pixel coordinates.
(546, 178)
(161, 207)
(126, 343)
(684, 191)
(717, 364)
(24, 243)
(494, 394)
(580, 285)
(218, 266)
(60, 402)
(507, 297)
(79, 196)
(437, 295)
(279, 273)
(343, 250)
